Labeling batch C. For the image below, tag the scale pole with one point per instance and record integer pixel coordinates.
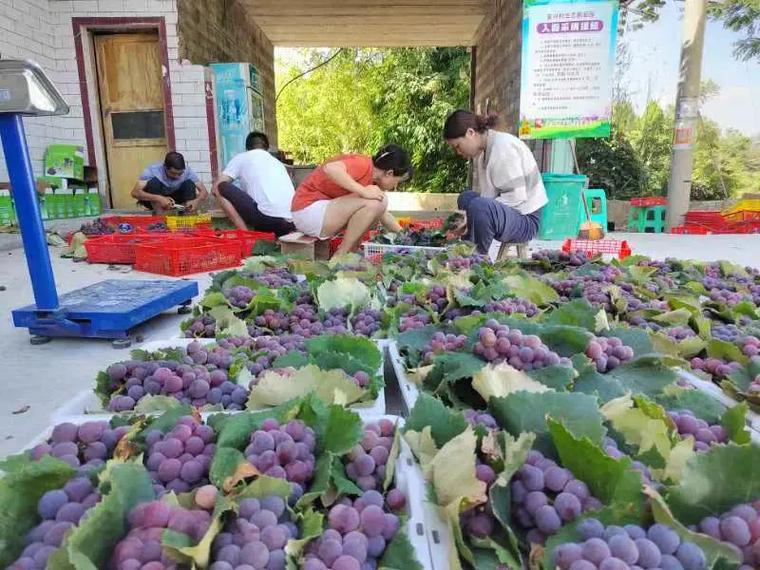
(23, 188)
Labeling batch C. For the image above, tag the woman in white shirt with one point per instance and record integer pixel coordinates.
(507, 205)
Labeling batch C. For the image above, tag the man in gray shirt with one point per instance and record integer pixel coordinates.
(162, 185)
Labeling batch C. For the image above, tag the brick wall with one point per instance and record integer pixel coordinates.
(42, 30)
(218, 31)
(497, 69)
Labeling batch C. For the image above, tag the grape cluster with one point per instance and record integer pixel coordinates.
(141, 548)
(436, 296)
(497, 343)
(459, 263)
(255, 537)
(750, 346)
(203, 326)
(479, 521)
(368, 459)
(704, 434)
(179, 460)
(679, 333)
(367, 322)
(239, 296)
(358, 535)
(274, 278)
(611, 449)
(476, 418)
(86, 446)
(728, 333)
(197, 384)
(726, 296)
(545, 496)
(739, 527)
(414, 319)
(60, 511)
(97, 227)
(285, 452)
(620, 548)
(608, 352)
(268, 348)
(715, 366)
(512, 307)
(441, 343)
(305, 320)
(573, 258)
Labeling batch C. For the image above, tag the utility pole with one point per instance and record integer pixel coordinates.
(687, 111)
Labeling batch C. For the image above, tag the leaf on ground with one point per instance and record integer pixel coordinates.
(648, 375)
(726, 351)
(678, 318)
(636, 338)
(499, 380)
(593, 383)
(360, 348)
(444, 422)
(332, 386)
(227, 323)
(565, 340)
(20, 491)
(578, 312)
(555, 377)
(735, 422)
(714, 481)
(525, 412)
(527, 287)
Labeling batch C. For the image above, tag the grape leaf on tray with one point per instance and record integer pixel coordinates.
(577, 312)
(444, 422)
(527, 287)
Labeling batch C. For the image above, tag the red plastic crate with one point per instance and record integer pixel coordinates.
(742, 216)
(138, 223)
(245, 238)
(646, 201)
(118, 248)
(432, 224)
(184, 256)
(596, 247)
(335, 241)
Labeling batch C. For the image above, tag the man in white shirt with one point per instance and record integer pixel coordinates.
(263, 201)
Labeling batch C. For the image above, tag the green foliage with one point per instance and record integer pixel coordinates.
(366, 98)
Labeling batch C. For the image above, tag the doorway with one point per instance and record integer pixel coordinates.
(131, 101)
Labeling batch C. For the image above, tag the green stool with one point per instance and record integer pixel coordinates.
(647, 219)
(597, 206)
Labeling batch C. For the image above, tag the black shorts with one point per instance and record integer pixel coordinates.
(249, 211)
(181, 195)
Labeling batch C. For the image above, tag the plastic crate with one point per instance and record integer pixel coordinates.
(188, 256)
(749, 205)
(432, 224)
(375, 251)
(619, 249)
(245, 238)
(189, 222)
(646, 201)
(137, 223)
(742, 216)
(118, 248)
(691, 229)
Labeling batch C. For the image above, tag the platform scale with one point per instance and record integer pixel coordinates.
(109, 309)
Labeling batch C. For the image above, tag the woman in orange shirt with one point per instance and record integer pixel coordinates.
(348, 192)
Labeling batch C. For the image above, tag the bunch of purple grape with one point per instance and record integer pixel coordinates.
(203, 326)
(141, 548)
(191, 384)
(727, 296)
(629, 547)
(704, 434)
(239, 296)
(611, 449)
(459, 263)
(750, 346)
(476, 418)
(545, 496)
(255, 537)
(511, 307)
(368, 459)
(285, 452)
(96, 227)
(86, 446)
(728, 333)
(441, 343)
(739, 527)
(608, 352)
(367, 322)
(274, 278)
(179, 460)
(497, 343)
(60, 510)
(358, 535)
(269, 348)
(414, 319)
(715, 366)
(305, 321)
(436, 296)
(556, 256)
(479, 521)
(679, 333)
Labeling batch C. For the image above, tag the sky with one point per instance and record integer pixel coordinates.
(655, 51)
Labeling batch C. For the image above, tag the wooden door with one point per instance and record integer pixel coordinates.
(132, 108)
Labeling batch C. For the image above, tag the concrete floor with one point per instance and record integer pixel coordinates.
(42, 377)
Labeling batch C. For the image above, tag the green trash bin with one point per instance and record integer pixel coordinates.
(559, 218)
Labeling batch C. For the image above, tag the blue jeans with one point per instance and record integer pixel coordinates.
(489, 220)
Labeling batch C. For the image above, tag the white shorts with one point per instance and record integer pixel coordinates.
(311, 219)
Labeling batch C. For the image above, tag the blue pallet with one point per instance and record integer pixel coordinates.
(108, 309)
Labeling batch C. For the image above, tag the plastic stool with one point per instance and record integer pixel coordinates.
(521, 248)
(597, 206)
(650, 219)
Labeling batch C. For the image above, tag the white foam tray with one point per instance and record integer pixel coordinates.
(409, 390)
(86, 405)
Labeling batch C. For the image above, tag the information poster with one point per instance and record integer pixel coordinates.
(568, 62)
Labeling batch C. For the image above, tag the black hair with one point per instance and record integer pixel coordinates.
(256, 140)
(393, 157)
(174, 160)
(460, 121)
